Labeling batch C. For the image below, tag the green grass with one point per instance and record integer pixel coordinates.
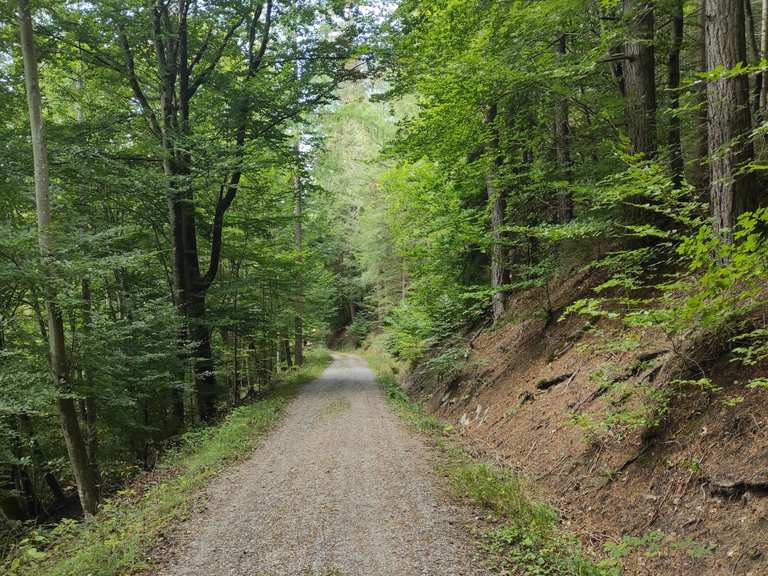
(527, 539)
(119, 540)
(415, 414)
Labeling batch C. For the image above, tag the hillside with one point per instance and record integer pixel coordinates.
(592, 415)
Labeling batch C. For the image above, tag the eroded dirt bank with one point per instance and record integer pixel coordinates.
(341, 488)
(589, 413)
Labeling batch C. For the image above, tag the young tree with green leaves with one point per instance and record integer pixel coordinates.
(60, 369)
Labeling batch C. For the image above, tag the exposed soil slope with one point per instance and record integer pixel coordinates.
(341, 488)
(540, 394)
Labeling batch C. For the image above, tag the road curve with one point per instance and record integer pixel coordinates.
(340, 488)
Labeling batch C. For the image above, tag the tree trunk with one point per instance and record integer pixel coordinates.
(497, 200)
(563, 144)
(88, 404)
(640, 77)
(676, 165)
(701, 168)
(764, 55)
(86, 485)
(91, 438)
(190, 293)
(202, 363)
(21, 481)
(25, 425)
(754, 49)
(285, 351)
(236, 370)
(298, 328)
(730, 123)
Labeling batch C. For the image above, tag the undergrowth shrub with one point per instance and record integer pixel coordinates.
(686, 283)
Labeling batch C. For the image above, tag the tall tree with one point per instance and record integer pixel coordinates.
(676, 162)
(496, 196)
(181, 75)
(764, 56)
(701, 175)
(73, 437)
(753, 47)
(730, 148)
(562, 138)
(298, 238)
(640, 76)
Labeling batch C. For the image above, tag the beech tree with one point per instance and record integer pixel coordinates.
(184, 64)
(562, 139)
(497, 202)
(57, 355)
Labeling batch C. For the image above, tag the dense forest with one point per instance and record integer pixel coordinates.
(194, 194)
(172, 265)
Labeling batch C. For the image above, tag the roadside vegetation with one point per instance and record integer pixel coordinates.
(138, 518)
(524, 535)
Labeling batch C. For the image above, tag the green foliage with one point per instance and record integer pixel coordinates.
(654, 544)
(135, 355)
(754, 349)
(505, 494)
(556, 556)
(714, 288)
(129, 525)
(408, 329)
(448, 363)
(360, 327)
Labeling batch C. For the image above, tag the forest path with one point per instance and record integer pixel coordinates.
(340, 488)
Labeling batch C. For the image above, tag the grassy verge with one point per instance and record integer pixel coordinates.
(527, 538)
(117, 542)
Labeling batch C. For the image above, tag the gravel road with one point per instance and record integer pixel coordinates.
(340, 488)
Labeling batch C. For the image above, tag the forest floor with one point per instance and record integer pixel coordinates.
(341, 488)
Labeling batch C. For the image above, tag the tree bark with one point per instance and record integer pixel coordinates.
(764, 56)
(88, 403)
(677, 167)
(640, 77)
(497, 200)
(21, 480)
(298, 328)
(730, 148)
(203, 366)
(563, 144)
(25, 424)
(701, 174)
(285, 351)
(78, 457)
(754, 49)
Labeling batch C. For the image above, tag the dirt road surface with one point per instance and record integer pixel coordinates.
(340, 488)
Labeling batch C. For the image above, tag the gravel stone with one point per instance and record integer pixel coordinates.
(340, 488)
